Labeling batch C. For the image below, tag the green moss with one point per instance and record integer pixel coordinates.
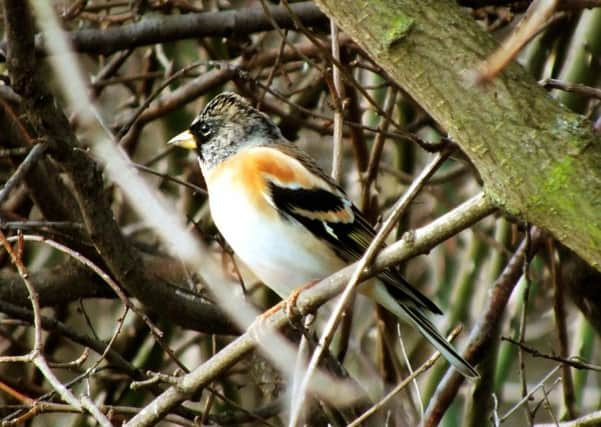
(558, 190)
(400, 26)
(559, 177)
(554, 191)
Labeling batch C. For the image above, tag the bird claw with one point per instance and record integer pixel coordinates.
(290, 310)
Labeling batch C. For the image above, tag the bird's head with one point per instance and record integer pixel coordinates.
(227, 124)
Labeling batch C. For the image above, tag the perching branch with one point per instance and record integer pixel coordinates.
(418, 242)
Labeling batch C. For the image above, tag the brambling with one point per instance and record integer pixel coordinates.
(285, 218)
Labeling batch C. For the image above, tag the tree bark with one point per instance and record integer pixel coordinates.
(538, 160)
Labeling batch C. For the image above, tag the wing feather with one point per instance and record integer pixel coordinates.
(324, 210)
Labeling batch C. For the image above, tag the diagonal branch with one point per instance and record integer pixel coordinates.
(421, 241)
(121, 257)
(506, 127)
(484, 331)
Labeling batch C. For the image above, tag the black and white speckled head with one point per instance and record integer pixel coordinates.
(227, 124)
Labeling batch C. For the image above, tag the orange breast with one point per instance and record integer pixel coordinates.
(247, 171)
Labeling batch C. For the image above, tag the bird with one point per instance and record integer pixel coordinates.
(285, 218)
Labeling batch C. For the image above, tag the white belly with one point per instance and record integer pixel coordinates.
(282, 253)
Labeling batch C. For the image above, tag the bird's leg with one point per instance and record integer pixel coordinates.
(272, 310)
(288, 304)
(290, 308)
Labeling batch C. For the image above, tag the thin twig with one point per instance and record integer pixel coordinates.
(589, 91)
(33, 298)
(339, 104)
(34, 155)
(309, 300)
(364, 262)
(424, 367)
(194, 188)
(35, 355)
(344, 73)
(155, 330)
(73, 363)
(560, 315)
(591, 419)
(100, 272)
(377, 147)
(484, 331)
(571, 362)
(33, 224)
(132, 119)
(522, 333)
(536, 16)
(525, 399)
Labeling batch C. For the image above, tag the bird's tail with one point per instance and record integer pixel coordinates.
(417, 317)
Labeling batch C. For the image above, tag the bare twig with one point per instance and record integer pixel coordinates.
(589, 91)
(525, 399)
(571, 362)
(32, 224)
(538, 13)
(36, 152)
(187, 26)
(33, 298)
(522, 333)
(308, 300)
(591, 419)
(51, 324)
(156, 332)
(377, 147)
(482, 334)
(362, 264)
(423, 368)
(560, 314)
(339, 104)
(194, 188)
(36, 355)
(179, 73)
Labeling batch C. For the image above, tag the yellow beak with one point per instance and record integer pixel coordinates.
(185, 140)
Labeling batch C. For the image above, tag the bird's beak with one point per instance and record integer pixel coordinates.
(185, 140)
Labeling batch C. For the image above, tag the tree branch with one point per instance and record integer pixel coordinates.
(163, 29)
(118, 254)
(484, 331)
(538, 160)
(418, 242)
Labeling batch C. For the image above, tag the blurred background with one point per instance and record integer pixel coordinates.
(148, 81)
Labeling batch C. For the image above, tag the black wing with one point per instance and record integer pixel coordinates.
(332, 217)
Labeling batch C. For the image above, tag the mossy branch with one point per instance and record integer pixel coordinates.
(538, 160)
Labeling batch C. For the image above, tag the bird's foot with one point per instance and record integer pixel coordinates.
(290, 308)
(288, 305)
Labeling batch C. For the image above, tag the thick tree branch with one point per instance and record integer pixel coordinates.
(122, 259)
(538, 160)
(61, 284)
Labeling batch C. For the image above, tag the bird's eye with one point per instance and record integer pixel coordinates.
(202, 130)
